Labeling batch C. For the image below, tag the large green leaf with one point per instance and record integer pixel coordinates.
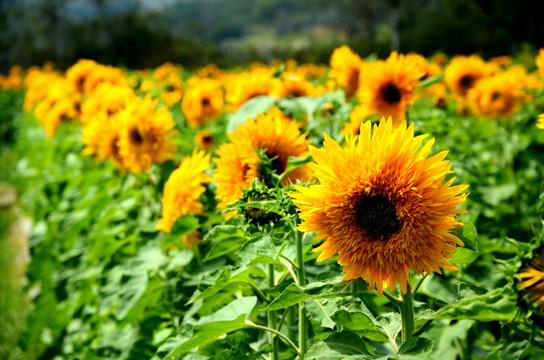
(209, 328)
(339, 346)
(353, 316)
(498, 305)
(225, 239)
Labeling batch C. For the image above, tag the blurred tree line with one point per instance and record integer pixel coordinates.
(145, 33)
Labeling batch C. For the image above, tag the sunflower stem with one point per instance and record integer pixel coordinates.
(272, 319)
(302, 321)
(407, 315)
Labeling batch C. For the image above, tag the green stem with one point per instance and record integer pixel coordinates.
(272, 319)
(302, 321)
(283, 337)
(407, 315)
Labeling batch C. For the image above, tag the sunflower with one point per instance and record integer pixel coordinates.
(145, 134)
(247, 85)
(382, 205)
(495, 96)
(102, 74)
(463, 72)
(540, 63)
(532, 282)
(182, 191)
(78, 73)
(540, 122)
(205, 140)
(238, 162)
(202, 101)
(346, 69)
(294, 84)
(389, 86)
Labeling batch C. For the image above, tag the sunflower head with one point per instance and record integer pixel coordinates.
(145, 135)
(495, 96)
(205, 140)
(382, 205)
(390, 85)
(273, 134)
(203, 101)
(531, 281)
(183, 189)
(463, 72)
(346, 69)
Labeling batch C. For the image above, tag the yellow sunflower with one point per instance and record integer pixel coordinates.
(294, 84)
(540, 122)
(145, 135)
(532, 282)
(203, 101)
(102, 74)
(78, 73)
(540, 63)
(182, 191)
(382, 205)
(346, 69)
(389, 86)
(495, 96)
(205, 140)
(247, 85)
(238, 164)
(463, 72)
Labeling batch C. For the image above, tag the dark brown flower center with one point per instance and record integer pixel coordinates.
(495, 95)
(135, 136)
(391, 94)
(207, 139)
(205, 102)
(377, 217)
(466, 81)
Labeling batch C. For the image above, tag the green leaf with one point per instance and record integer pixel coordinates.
(183, 226)
(468, 290)
(225, 239)
(252, 107)
(292, 295)
(431, 81)
(259, 249)
(463, 256)
(294, 163)
(321, 310)
(495, 306)
(415, 348)
(352, 317)
(469, 235)
(338, 346)
(494, 195)
(209, 328)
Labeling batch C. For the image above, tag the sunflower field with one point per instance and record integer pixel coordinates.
(362, 209)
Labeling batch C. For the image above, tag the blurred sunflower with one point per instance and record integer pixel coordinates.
(182, 191)
(205, 140)
(294, 84)
(389, 86)
(463, 72)
(540, 63)
(532, 282)
(78, 73)
(495, 96)
(102, 74)
(238, 162)
(382, 205)
(346, 69)
(145, 135)
(203, 101)
(247, 85)
(100, 126)
(540, 121)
